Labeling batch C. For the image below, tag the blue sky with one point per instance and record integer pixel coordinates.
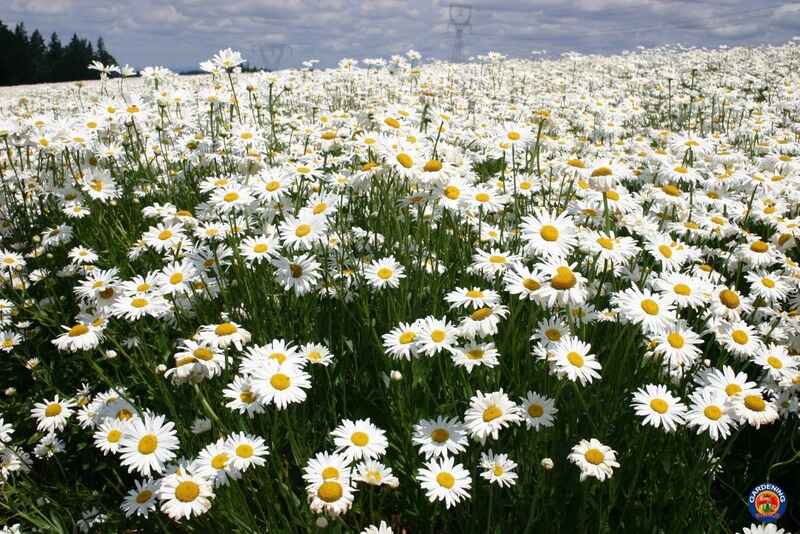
(179, 34)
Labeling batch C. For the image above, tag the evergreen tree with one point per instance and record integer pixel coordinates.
(29, 60)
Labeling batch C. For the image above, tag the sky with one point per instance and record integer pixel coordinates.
(283, 33)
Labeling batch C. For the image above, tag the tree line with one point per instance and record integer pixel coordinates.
(28, 59)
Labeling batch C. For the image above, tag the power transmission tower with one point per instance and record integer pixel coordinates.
(273, 54)
(460, 16)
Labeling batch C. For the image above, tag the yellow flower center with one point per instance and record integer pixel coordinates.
(164, 235)
(606, 243)
(602, 171)
(187, 491)
(475, 354)
(225, 329)
(302, 230)
(481, 314)
(759, 247)
(405, 160)
(445, 480)
(491, 413)
(671, 190)
(740, 337)
(231, 197)
(148, 444)
(359, 439)
(729, 299)
(114, 436)
(438, 336)
(775, 362)
(659, 405)
(482, 197)
(768, 282)
(649, 306)
(452, 192)
(675, 340)
(530, 284)
(755, 403)
(384, 273)
(176, 278)
(143, 496)
(280, 381)
(665, 251)
(682, 289)
(139, 302)
(732, 389)
(712, 412)
(575, 359)
(52, 410)
(407, 337)
(535, 410)
(244, 450)
(564, 279)
(549, 232)
(514, 136)
(78, 330)
(330, 491)
(219, 461)
(594, 456)
(440, 435)
(432, 165)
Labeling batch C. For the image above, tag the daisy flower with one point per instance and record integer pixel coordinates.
(108, 436)
(214, 464)
(303, 232)
(545, 235)
(384, 528)
(360, 439)
(326, 466)
(299, 274)
(489, 413)
(776, 360)
(739, 338)
(498, 469)
(482, 322)
(317, 354)
(141, 500)
(538, 411)
(224, 334)
(148, 444)
(572, 359)
(401, 342)
(78, 337)
(650, 310)
(750, 406)
(709, 412)
(440, 437)
(444, 480)
(375, 473)
(281, 384)
(52, 416)
(472, 355)
(435, 335)
(594, 459)
(243, 397)
(385, 272)
(659, 407)
(474, 298)
(185, 495)
(247, 451)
